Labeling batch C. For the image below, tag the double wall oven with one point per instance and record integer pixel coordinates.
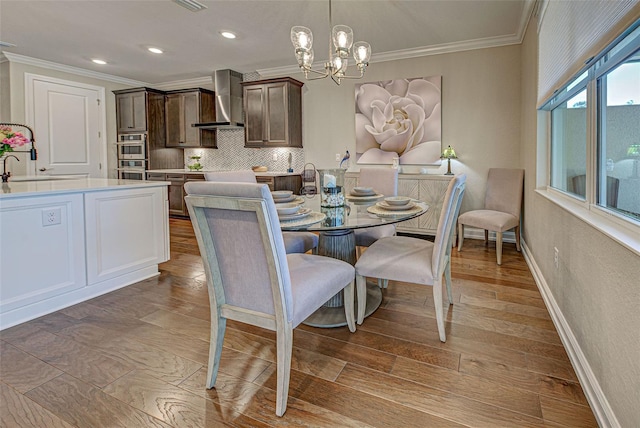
(132, 156)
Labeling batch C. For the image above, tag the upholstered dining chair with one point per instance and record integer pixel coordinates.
(414, 260)
(294, 242)
(385, 182)
(251, 279)
(502, 204)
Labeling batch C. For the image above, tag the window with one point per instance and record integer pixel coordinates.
(597, 116)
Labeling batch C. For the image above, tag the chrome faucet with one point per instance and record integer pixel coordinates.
(5, 174)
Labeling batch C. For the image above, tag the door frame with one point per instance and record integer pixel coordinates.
(29, 81)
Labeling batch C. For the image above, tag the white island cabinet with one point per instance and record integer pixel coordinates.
(66, 241)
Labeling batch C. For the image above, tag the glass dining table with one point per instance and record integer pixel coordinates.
(335, 227)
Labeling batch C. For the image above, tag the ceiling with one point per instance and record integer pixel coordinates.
(74, 32)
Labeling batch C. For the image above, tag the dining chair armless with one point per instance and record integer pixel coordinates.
(502, 204)
(251, 279)
(385, 182)
(294, 242)
(414, 260)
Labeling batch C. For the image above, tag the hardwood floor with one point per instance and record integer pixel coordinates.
(137, 357)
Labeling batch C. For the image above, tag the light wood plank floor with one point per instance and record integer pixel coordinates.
(137, 357)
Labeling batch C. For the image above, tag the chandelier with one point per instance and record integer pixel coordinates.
(340, 45)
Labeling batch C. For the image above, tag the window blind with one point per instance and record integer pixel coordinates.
(571, 32)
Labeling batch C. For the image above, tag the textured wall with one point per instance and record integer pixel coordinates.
(597, 285)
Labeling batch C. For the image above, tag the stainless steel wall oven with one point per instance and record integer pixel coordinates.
(132, 156)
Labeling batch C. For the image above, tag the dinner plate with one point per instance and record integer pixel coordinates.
(364, 198)
(285, 200)
(300, 214)
(386, 206)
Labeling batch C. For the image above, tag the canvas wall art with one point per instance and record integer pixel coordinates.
(399, 119)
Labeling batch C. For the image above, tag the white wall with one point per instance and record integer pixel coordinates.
(597, 285)
(17, 106)
(480, 112)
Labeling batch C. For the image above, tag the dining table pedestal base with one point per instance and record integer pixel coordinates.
(329, 317)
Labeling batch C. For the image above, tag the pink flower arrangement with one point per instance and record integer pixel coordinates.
(9, 140)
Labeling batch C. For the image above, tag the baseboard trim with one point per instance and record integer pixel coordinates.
(595, 396)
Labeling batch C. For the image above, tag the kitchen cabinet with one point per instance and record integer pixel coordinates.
(273, 113)
(184, 108)
(177, 207)
(142, 110)
(429, 189)
(282, 182)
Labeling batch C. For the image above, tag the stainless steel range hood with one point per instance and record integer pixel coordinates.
(228, 90)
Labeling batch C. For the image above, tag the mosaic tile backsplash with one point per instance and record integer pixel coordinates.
(231, 154)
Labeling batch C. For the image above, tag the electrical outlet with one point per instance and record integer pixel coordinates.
(51, 216)
(555, 257)
(338, 157)
(275, 156)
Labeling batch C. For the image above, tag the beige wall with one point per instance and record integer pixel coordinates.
(480, 112)
(5, 100)
(17, 106)
(597, 285)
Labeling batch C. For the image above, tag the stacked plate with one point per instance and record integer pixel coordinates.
(283, 196)
(396, 203)
(363, 191)
(292, 211)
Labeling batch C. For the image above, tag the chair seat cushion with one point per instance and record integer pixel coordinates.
(366, 237)
(496, 221)
(299, 242)
(400, 258)
(314, 280)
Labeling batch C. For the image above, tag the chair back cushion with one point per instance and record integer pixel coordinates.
(447, 221)
(383, 180)
(241, 243)
(239, 176)
(504, 190)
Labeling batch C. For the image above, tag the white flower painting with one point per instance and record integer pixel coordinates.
(399, 118)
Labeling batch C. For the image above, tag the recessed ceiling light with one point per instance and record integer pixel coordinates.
(228, 34)
(155, 50)
(99, 61)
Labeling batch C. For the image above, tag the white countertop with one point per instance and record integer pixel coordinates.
(188, 171)
(17, 189)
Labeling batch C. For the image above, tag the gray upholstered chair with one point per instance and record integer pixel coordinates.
(402, 258)
(251, 279)
(502, 205)
(294, 242)
(383, 181)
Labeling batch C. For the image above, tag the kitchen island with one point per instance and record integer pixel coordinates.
(66, 241)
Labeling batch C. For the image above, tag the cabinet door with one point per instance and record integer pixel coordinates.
(410, 188)
(173, 117)
(432, 193)
(176, 194)
(254, 116)
(276, 114)
(131, 112)
(190, 116)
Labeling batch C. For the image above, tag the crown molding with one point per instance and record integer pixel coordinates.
(467, 45)
(187, 83)
(21, 59)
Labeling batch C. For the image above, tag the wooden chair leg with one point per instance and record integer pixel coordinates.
(361, 292)
(437, 300)
(518, 238)
(499, 247)
(348, 306)
(218, 325)
(284, 344)
(447, 278)
(460, 236)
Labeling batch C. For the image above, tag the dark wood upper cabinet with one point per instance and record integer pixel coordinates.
(183, 109)
(134, 110)
(273, 113)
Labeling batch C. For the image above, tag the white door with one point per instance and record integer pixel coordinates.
(68, 120)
